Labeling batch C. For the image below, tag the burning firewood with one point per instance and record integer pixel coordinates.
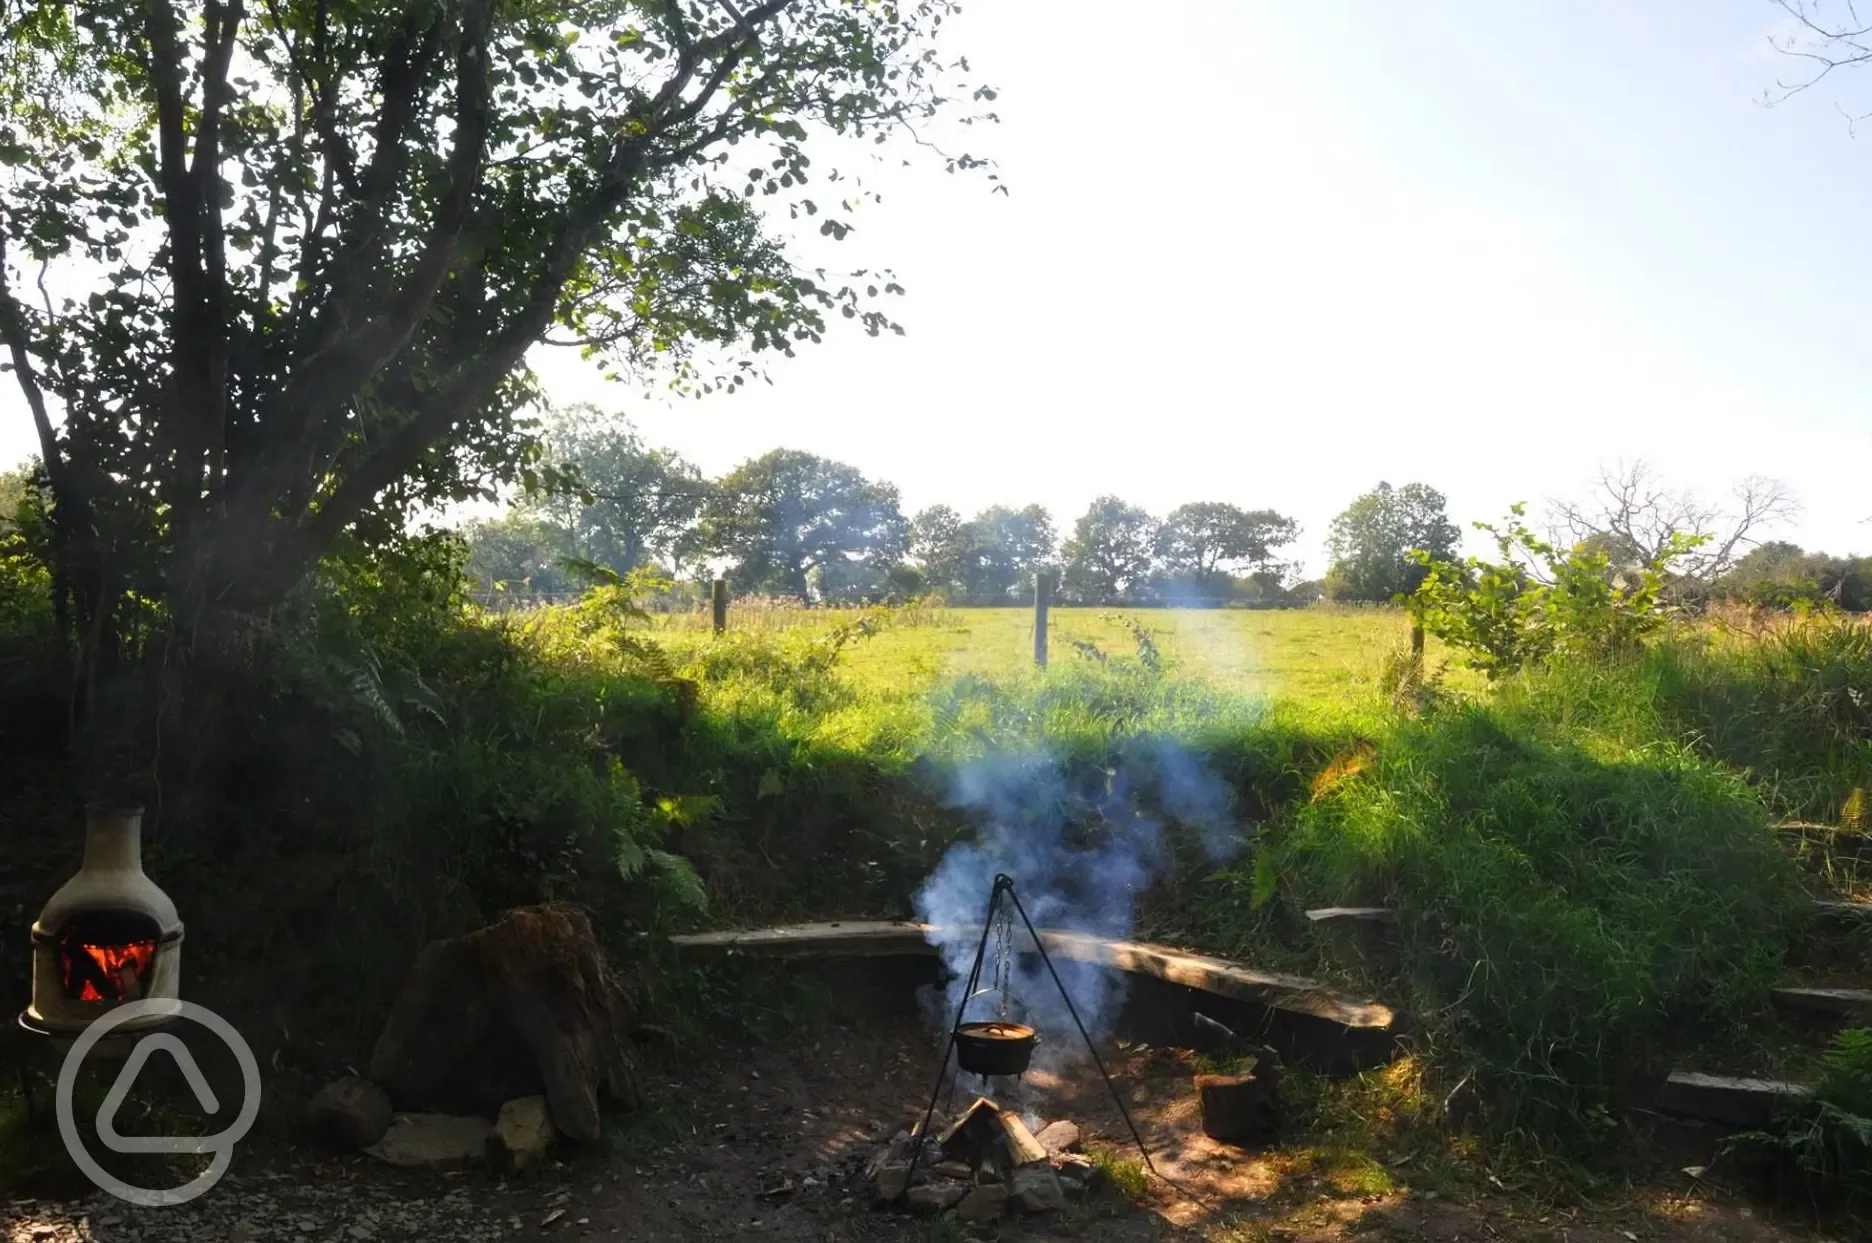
(987, 1134)
(1022, 1147)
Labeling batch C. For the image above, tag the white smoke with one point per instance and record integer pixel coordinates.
(1082, 845)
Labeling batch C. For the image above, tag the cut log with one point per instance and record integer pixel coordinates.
(349, 1113)
(1840, 1003)
(862, 938)
(1732, 1102)
(1240, 1109)
(1022, 1147)
(526, 1006)
(986, 1134)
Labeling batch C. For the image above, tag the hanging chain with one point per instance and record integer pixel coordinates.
(1004, 958)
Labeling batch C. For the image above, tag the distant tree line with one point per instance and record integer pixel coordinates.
(795, 524)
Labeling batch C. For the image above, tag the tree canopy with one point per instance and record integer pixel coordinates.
(786, 517)
(268, 273)
(627, 503)
(1204, 541)
(1111, 554)
(1371, 541)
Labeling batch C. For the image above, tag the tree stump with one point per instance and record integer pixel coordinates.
(1240, 1109)
(526, 1006)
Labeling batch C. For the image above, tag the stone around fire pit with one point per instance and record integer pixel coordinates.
(985, 1162)
(1058, 1137)
(936, 1195)
(983, 1203)
(1037, 1189)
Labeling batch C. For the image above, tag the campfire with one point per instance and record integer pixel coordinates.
(107, 937)
(984, 1163)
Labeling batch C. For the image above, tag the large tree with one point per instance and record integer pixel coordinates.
(1111, 554)
(1003, 549)
(938, 543)
(789, 519)
(1370, 542)
(625, 502)
(1205, 541)
(520, 553)
(269, 271)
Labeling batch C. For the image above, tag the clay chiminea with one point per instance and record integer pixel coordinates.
(107, 937)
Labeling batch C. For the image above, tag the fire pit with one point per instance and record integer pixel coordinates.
(985, 1164)
(107, 937)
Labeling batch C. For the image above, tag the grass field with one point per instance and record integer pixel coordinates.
(1316, 654)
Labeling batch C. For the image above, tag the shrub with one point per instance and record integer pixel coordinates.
(1536, 603)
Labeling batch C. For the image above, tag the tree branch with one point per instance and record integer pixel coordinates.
(329, 379)
(193, 327)
(222, 29)
(13, 334)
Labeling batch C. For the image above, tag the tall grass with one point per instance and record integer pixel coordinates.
(1573, 908)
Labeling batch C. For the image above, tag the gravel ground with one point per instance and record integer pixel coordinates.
(766, 1144)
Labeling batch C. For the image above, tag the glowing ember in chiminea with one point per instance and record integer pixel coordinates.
(103, 972)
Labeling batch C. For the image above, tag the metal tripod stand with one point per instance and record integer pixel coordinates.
(1004, 885)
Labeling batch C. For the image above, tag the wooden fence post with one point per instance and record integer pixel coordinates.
(1043, 597)
(719, 599)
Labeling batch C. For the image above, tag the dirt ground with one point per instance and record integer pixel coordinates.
(767, 1145)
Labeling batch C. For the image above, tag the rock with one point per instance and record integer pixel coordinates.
(1058, 1137)
(1078, 1175)
(936, 1195)
(432, 1141)
(891, 1180)
(522, 1133)
(951, 1169)
(983, 1203)
(901, 1146)
(1037, 1189)
(524, 1006)
(349, 1113)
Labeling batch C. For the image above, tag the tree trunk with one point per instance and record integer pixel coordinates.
(525, 1005)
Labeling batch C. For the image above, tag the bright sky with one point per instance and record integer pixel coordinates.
(1271, 253)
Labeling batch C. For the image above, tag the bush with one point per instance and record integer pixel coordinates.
(1536, 603)
(1572, 908)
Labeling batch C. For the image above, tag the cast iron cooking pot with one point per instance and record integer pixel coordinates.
(995, 1047)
